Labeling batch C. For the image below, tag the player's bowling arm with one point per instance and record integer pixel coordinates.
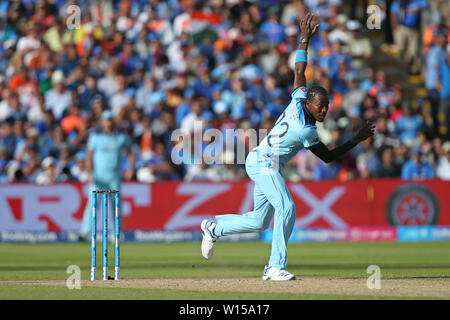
(308, 28)
(299, 75)
(300, 67)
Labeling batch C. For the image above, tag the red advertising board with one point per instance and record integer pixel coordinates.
(182, 205)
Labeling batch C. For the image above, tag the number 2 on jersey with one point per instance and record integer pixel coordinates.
(282, 124)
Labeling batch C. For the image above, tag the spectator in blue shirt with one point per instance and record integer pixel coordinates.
(386, 168)
(444, 86)
(335, 59)
(8, 139)
(405, 22)
(408, 125)
(369, 79)
(235, 98)
(416, 169)
(252, 113)
(3, 161)
(272, 28)
(434, 60)
(326, 171)
(321, 42)
(144, 92)
(89, 93)
(203, 85)
(129, 59)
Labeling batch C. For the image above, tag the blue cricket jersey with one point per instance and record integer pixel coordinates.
(107, 154)
(293, 131)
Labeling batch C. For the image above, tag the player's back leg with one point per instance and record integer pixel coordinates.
(253, 221)
(227, 224)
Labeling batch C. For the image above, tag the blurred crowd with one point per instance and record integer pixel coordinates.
(162, 65)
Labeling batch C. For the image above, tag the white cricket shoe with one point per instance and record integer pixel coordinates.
(271, 273)
(209, 239)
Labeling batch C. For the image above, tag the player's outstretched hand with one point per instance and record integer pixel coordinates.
(308, 25)
(365, 132)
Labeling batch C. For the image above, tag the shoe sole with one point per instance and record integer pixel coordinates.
(203, 228)
(265, 278)
(268, 279)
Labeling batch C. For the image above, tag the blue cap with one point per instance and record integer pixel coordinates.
(355, 111)
(97, 51)
(207, 115)
(41, 127)
(251, 72)
(223, 57)
(129, 92)
(188, 93)
(351, 76)
(323, 26)
(156, 97)
(220, 107)
(292, 18)
(80, 155)
(72, 135)
(238, 112)
(107, 114)
(217, 87)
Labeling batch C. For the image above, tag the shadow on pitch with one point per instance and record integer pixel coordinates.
(360, 266)
(399, 277)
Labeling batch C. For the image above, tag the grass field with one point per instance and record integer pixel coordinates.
(177, 271)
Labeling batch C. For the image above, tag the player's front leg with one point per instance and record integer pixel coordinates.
(284, 220)
(283, 224)
(276, 274)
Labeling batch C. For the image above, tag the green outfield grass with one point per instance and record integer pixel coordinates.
(232, 260)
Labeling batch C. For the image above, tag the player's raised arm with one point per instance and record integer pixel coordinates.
(308, 28)
(326, 155)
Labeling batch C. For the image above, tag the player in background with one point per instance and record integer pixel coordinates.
(295, 129)
(103, 159)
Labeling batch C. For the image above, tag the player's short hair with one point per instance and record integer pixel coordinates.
(317, 92)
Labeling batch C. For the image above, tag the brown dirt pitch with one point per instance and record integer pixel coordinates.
(414, 288)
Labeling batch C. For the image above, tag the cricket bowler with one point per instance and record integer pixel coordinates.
(294, 129)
